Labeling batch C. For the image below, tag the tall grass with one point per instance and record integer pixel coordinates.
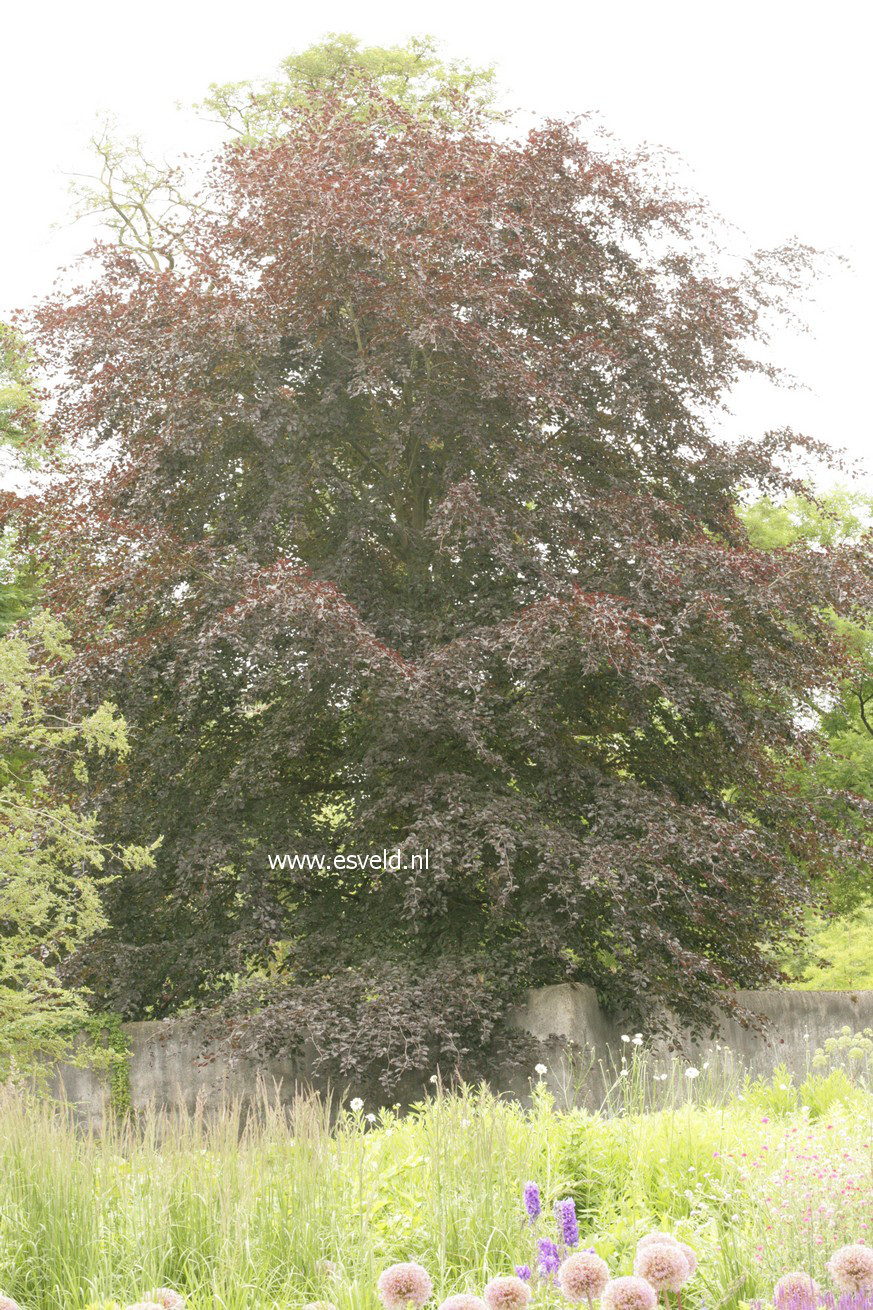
(243, 1209)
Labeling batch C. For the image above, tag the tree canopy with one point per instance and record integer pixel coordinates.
(51, 854)
(402, 522)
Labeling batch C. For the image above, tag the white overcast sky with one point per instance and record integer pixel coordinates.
(768, 103)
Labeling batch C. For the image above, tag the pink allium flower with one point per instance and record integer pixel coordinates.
(168, 1297)
(629, 1294)
(401, 1284)
(851, 1267)
(690, 1255)
(507, 1293)
(795, 1289)
(651, 1239)
(463, 1301)
(663, 1264)
(583, 1276)
(6, 1303)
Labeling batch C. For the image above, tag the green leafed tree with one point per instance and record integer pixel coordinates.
(22, 446)
(835, 518)
(51, 856)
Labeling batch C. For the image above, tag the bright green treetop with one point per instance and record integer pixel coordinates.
(414, 75)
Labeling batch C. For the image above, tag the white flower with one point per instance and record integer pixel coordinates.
(540, 1069)
(692, 1072)
(623, 1073)
(371, 1118)
(432, 1078)
(706, 1064)
(638, 1039)
(624, 1037)
(356, 1104)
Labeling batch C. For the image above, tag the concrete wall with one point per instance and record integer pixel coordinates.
(169, 1065)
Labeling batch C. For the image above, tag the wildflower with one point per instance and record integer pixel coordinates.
(794, 1290)
(851, 1268)
(401, 1284)
(507, 1293)
(463, 1301)
(549, 1257)
(432, 1078)
(624, 1037)
(629, 1294)
(356, 1104)
(540, 1069)
(656, 1238)
(691, 1256)
(167, 1297)
(691, 1072)
(565, 1217)
(524, 1272)
(371, 1118)
(663, 1264)
(583, 1276)
(6, 1303)
(532, 1202)
(638, 1039)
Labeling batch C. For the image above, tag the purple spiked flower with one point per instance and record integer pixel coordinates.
(524, 1273)
(532, 1202)
(565, 1217)
(549, 1257)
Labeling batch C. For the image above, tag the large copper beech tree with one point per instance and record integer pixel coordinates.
(402, 521)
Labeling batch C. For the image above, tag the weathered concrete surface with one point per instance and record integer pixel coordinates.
(169, 1065)
(799, 1022)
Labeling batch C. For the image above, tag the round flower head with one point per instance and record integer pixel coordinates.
(463, 1301)
(583, 1276)
(651, 1238)
(167, 1297)
(690, 1255)
(795, 1290)
(507, 1293)
(629, 1294)
(663, 1264)
(6, 1303)
(401, 1284)
(851, 1268)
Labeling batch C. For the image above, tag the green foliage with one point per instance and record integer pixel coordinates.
(50, 853)
(820, 1093)
(19, 406)
(339, 67)
(109, 1046)
(846, 943)
(838, 518)
(832, 518)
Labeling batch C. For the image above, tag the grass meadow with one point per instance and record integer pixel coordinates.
(278, 1208)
